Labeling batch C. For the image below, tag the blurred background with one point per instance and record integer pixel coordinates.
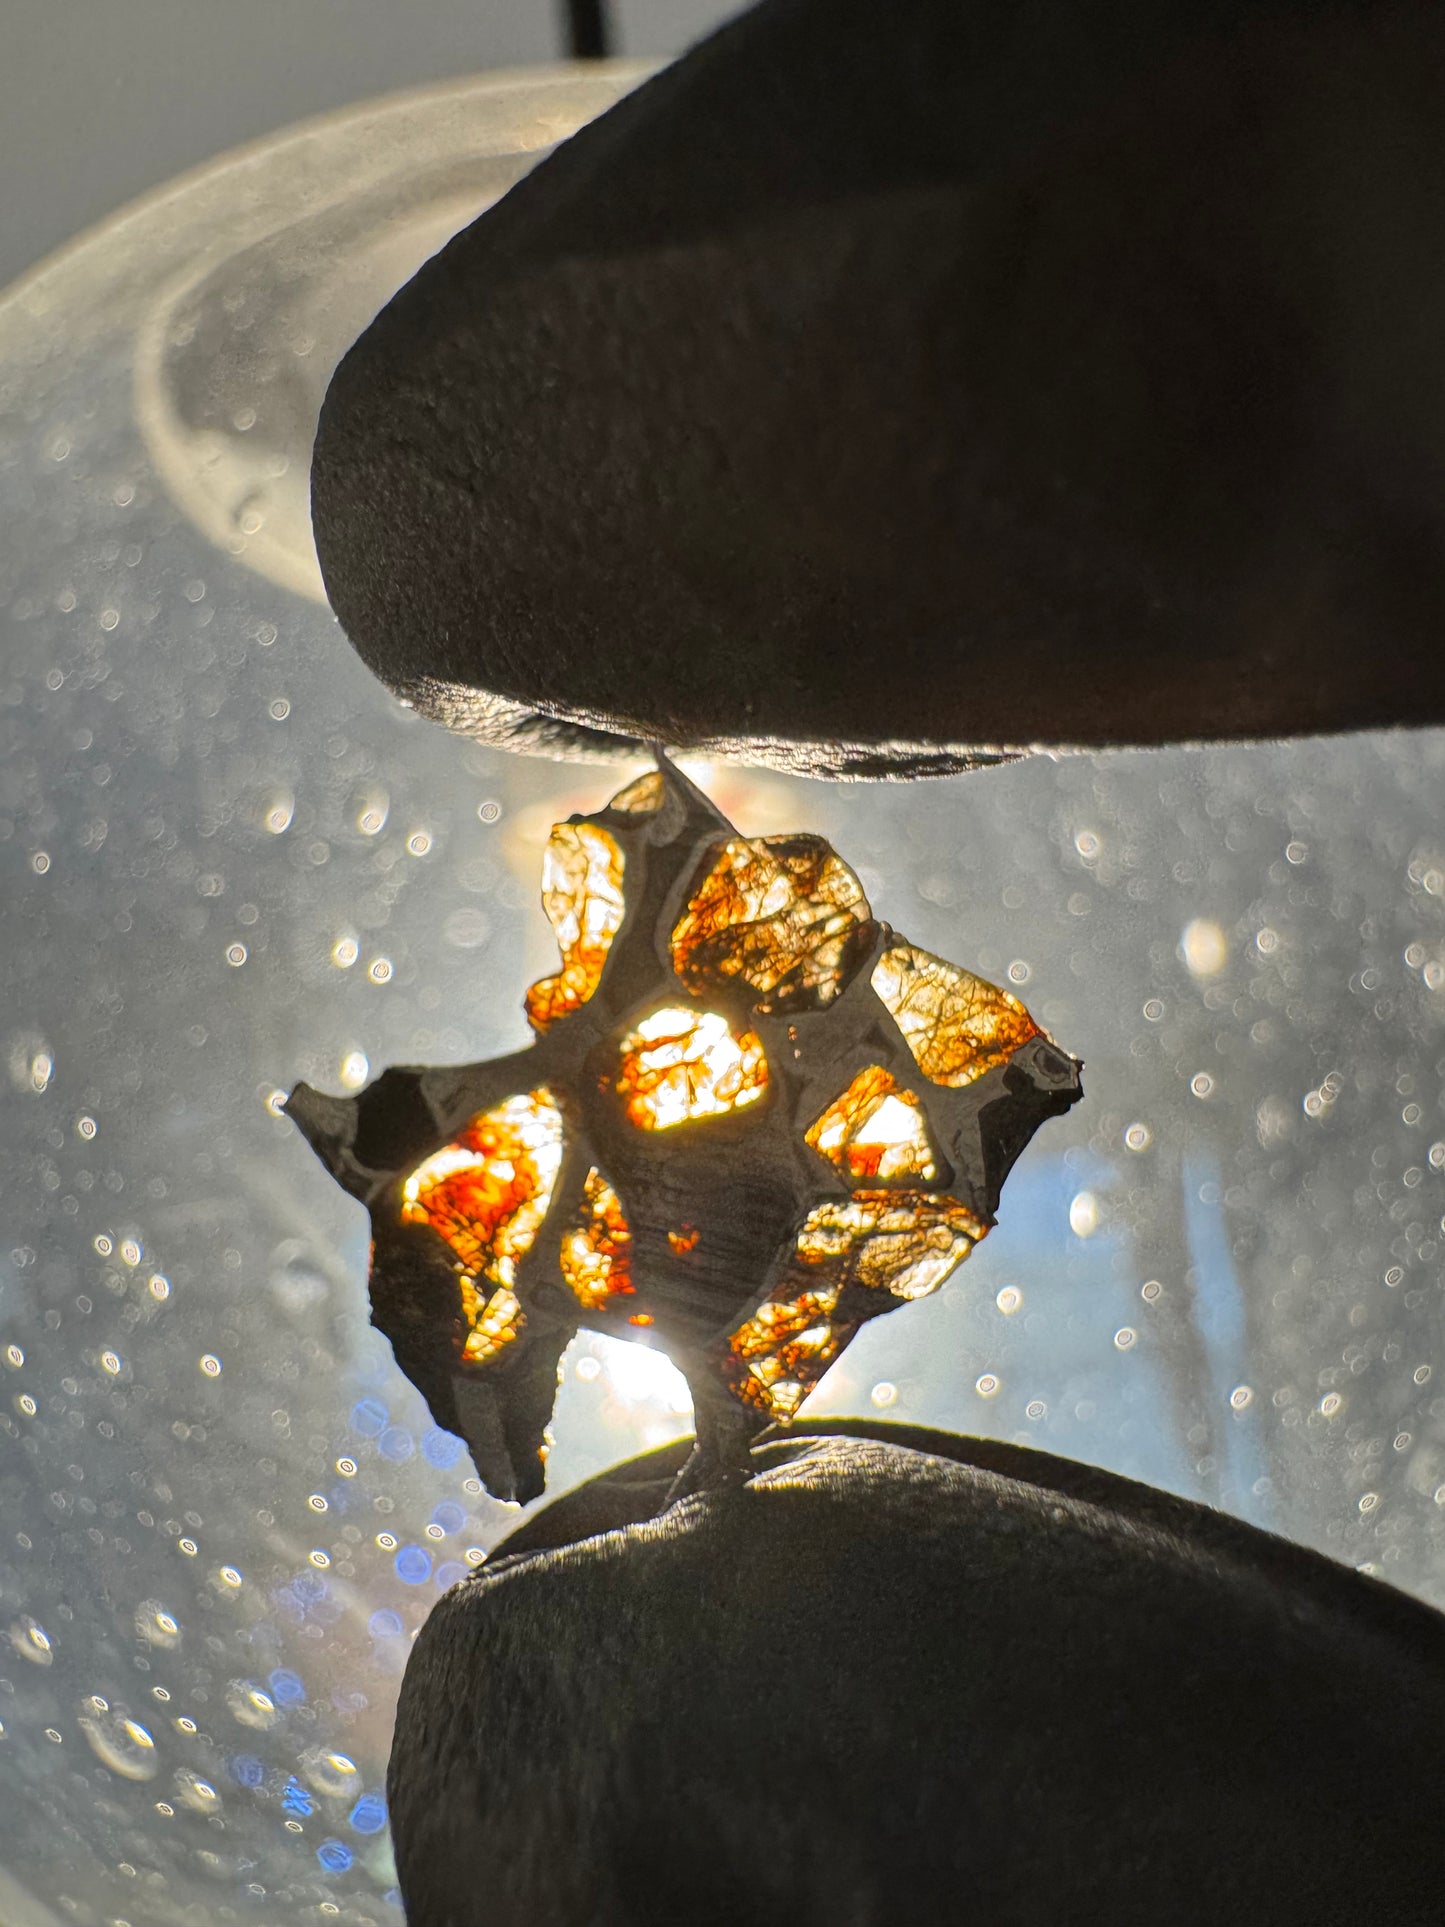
(228, 859)
(102, 99)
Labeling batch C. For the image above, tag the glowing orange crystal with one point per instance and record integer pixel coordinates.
(782, 914)
(904, 1243)
(956, 1025)
(494, 1324)
(485, 1194)
(897, 1245)
(680, 1064)
(582, 895)
(641, 797)
(876, 1131)
(596, 1251)
(778, 1355)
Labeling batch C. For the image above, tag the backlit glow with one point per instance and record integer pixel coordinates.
(681, 1064)
(486, 1195)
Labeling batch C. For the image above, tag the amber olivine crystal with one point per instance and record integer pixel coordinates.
(752, 1118)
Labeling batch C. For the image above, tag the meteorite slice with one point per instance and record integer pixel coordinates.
(745, 1126)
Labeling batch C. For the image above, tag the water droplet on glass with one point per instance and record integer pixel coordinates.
(1203, 947)
(236, 955)
(251, 1705)
(1084, 1214)
(379, 970)
(1009, 1299)
(1202, 1084)
(334, 1775)
(1138, 1137)
(121, 1744)
(210, 1364)
(418, 843)
(353, 1069)
(32, 1642)
(1241, 1397)
(986, 1385)
(467, 929)
(1125, 1337)
(197, 1794)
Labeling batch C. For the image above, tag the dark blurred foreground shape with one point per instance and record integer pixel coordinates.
(931, 1680)
(885, 386)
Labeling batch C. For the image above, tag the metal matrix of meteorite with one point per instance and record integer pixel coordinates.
(752, 1118)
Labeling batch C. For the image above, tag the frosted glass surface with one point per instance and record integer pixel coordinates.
(230, 860)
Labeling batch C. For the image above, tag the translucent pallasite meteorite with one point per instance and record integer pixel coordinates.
(752, 1118)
